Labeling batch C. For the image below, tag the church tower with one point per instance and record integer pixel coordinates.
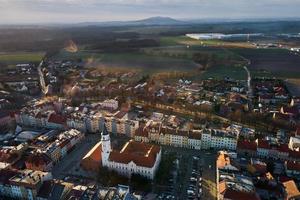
(106, 146)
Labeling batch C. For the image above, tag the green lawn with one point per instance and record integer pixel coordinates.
(18, 57)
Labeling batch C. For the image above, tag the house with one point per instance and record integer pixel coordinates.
(39, 162)
(225, 163)
(60, 190)
(26, 184)
(141, 134)
(194, 140)
(257, 167)
(292, 168)
(56, 121)
(246, 148)
(263, 148)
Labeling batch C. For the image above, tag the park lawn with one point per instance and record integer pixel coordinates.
(21, 57)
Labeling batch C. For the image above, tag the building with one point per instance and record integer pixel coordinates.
(92, 160)
(141, 134)
(26, 183)
(246, 148)
(294, 143)
(110, 104)
(39, 162)
(194, 140)
(292, 168)
(134, 158)
(291, 190)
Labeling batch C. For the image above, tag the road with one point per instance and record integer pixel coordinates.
(248, 81)
(70, 164)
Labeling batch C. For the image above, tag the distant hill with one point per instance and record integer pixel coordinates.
(159, 21)
(144, 22)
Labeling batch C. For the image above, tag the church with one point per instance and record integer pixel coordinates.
(134, 158)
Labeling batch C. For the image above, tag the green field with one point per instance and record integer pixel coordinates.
(19, 57)
(174, 54)
(133, 60)
(220, 72)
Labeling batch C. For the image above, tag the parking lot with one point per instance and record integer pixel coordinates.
(192, 175)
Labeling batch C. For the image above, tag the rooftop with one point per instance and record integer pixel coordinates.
(141, 154)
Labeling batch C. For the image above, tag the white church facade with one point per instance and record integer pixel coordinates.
(134, 158)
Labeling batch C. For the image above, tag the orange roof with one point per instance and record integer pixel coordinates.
(140, 153)
(95, 153)
(223, 160)
(291, 189)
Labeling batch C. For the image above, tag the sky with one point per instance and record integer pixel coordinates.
(74, 11)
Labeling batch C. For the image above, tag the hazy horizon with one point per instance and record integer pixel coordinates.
(76, 11)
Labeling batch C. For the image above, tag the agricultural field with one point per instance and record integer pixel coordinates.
(220, 72)
(21, 57)
(272, 62)
(177, 53)
(133, 60)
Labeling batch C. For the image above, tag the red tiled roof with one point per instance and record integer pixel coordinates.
(294, 154)
(57, 119)
(38, 160)
(141, 154)
(290, 165)
(246, 144)
(142, 131)
(283, 148)
(263, 144)
(239, 195)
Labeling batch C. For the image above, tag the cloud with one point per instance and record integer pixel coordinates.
(26, 11)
